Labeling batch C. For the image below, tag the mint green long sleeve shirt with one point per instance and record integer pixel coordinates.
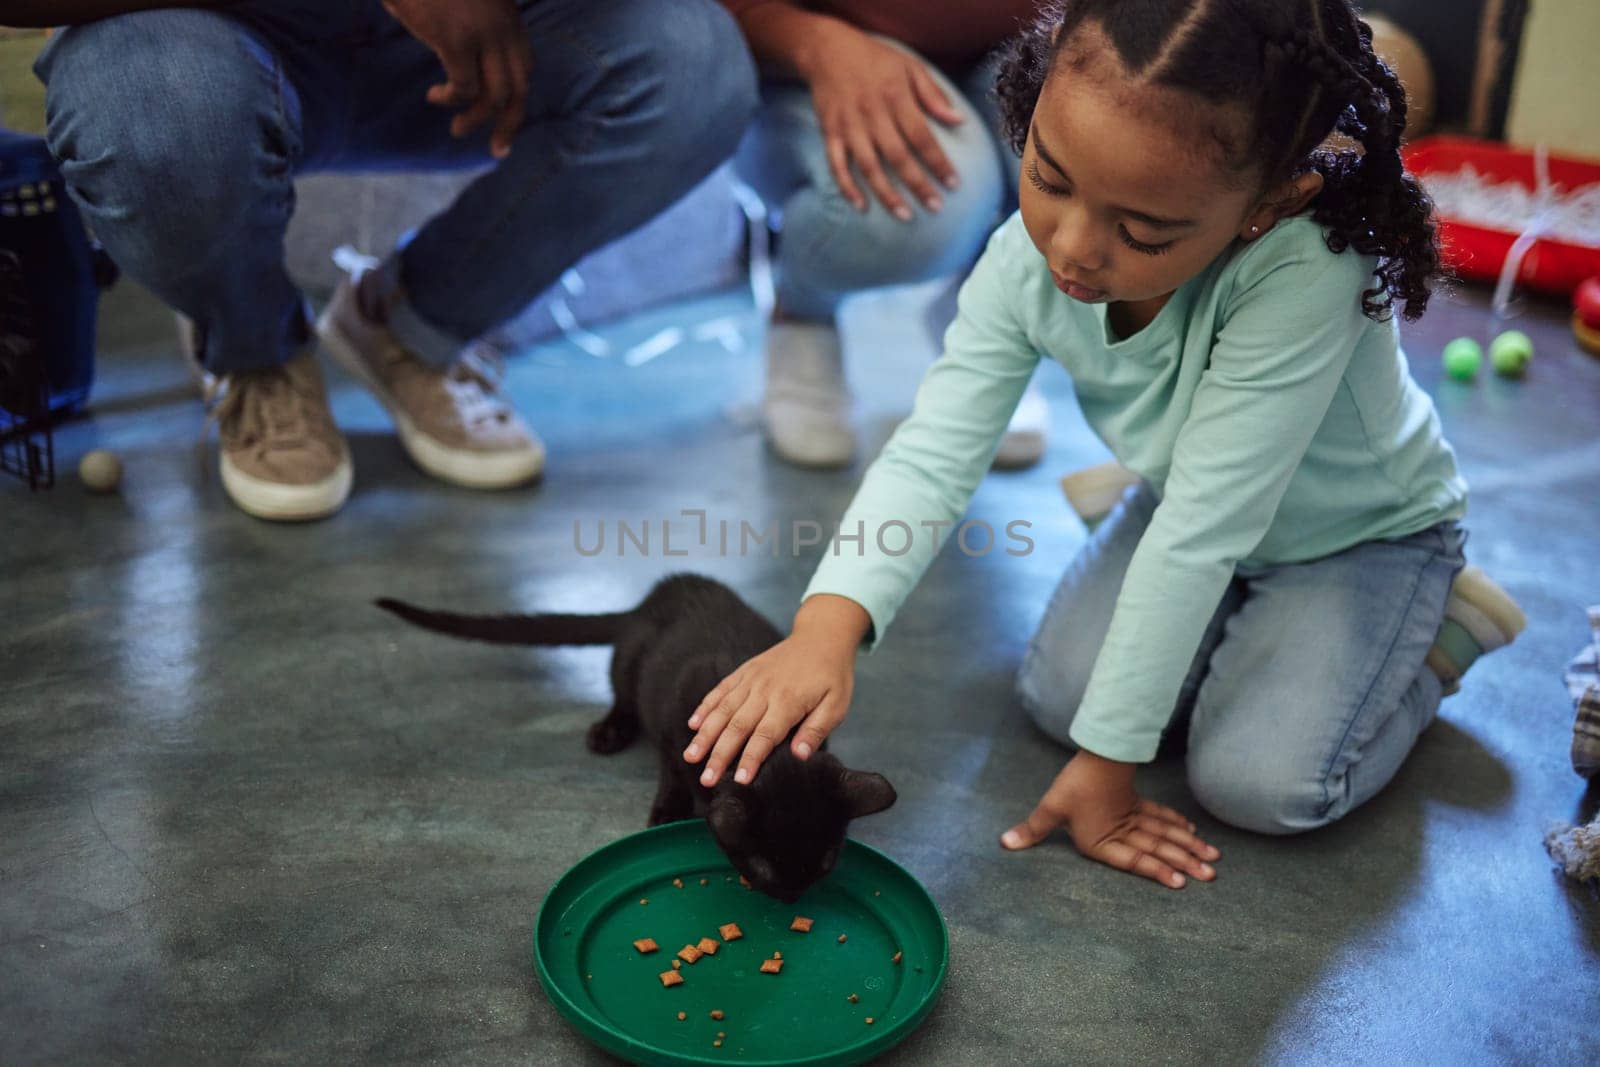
(1275, 422)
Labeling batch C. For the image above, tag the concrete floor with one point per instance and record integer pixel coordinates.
(245, 817)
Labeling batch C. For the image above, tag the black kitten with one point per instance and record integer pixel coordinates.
(784, 829)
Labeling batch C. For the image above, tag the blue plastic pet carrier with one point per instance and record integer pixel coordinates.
(50, 275)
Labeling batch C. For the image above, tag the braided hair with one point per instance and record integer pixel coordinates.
(1302, 70)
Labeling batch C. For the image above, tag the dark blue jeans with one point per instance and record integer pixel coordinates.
(179, 133)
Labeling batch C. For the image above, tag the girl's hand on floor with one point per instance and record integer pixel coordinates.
(1093, 799)
(804, 679)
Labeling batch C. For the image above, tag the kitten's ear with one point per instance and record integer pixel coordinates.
(727, 816)
(866, 792)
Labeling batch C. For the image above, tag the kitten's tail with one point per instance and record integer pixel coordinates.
(514, 629)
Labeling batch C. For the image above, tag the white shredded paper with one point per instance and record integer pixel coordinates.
(1568, 215)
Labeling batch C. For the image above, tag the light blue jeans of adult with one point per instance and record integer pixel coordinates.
(179, 133)
(829, 250)
(1308, 690)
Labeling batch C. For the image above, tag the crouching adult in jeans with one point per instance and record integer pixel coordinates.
(180, 128)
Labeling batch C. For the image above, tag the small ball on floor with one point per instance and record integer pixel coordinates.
(100, 471)
(1510, 353)
(1462, 358)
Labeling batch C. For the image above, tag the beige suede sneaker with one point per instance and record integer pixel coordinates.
(454, 423)
(282, 456)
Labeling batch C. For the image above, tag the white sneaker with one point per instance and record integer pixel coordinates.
(806, 407)
(453, 423)
(1026, 434)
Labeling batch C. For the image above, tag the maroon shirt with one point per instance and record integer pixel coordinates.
(949, 33)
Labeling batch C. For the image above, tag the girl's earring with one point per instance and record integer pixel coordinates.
(1254, 230)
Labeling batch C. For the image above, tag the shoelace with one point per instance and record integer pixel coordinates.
(265, 409)
(471, 384)
(475, 380)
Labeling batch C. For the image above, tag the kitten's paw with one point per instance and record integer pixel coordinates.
(608, 736)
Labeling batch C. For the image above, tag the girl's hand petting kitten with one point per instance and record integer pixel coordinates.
(1093, 798)
(807, 677)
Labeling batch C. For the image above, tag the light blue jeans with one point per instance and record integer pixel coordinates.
(1309, 687)
(179, 132)
(828, 249)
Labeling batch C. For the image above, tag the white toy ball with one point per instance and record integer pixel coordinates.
(100, 471)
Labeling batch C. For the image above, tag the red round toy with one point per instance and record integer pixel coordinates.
(1586, 314)
(1586, 301)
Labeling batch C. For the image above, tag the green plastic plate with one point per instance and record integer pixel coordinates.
(583, 950)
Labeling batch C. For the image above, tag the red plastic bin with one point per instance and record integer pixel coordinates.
(1478, 252)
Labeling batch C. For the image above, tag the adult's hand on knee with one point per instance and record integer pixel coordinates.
(873, 102)
(486, 59)
(1094, 799)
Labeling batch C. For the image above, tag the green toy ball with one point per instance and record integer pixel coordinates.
(1462, 358)
(1510, 353)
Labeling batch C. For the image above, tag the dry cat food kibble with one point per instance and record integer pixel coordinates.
(722, 1033)
(717, 1014)
(801, 923)
(688, 953)
(677, 883)
(643, 901)
(841, 939)
(677, 964)
(646, 945)
(704, 882)
(777, 955)
(730, 931)
(771, 966)
(708, 946)
(852, 998)
(682, 1015)
(896, 958)
(670, 978)
(869, 1020)
(717, 1043)
(744, 881)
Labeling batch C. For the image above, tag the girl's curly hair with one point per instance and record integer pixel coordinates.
(1302, 69)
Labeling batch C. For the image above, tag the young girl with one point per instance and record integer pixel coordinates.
(1221, 286)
